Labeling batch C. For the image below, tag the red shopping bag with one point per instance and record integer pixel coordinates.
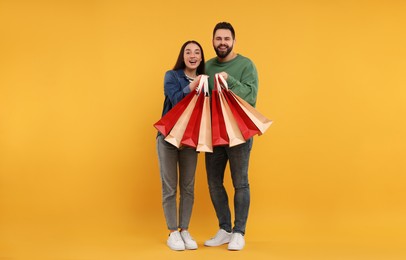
(176, 134)
(219, 132)
(234, 133)
(191, 134)
(166, 123)
(260, 121)
(247, 127)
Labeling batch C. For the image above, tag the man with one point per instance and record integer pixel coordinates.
(242, 78)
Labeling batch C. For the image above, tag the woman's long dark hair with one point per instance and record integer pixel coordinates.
(180, 63)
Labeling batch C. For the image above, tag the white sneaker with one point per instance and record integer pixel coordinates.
(190, 243)
(175, 241)
(222, 237)
(237, 242)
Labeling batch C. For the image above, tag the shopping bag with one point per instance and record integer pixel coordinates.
(261, 122)
(218, 126)
(166, 123)
(205, 136)
(245, 124)
(175, 135)
(191, 134)
(233, 132)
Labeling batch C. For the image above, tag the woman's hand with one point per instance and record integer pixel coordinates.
(193, 85)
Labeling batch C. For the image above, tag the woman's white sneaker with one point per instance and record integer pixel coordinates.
(190, 243)
(175, 241)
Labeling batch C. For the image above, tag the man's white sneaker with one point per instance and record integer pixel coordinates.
(222, 237)
(175, 241)
(190, 243)
(237, 242)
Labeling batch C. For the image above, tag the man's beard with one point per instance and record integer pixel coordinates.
(223, 54)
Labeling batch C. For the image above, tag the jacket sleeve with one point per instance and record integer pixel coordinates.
(247, 86)
(173, 89)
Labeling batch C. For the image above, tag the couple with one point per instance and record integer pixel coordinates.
(241, 76)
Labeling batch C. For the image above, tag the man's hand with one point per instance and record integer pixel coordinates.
(224, 74)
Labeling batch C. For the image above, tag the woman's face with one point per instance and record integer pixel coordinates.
(192, 56)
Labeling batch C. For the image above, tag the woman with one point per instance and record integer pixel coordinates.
(180, 81)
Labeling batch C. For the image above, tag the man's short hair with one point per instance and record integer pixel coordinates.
(224, 25)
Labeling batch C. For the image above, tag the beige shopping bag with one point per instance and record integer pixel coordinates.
(234, 133)
(205, 136)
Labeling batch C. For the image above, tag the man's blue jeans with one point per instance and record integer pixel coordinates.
(216, 162)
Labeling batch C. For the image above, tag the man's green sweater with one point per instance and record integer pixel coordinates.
(242, 76)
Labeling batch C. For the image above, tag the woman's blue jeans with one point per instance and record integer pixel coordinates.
(176, 165)
(238, 157)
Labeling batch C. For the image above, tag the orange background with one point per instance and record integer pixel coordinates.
(81, 83)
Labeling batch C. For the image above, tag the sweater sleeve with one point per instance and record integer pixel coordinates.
(247, 86)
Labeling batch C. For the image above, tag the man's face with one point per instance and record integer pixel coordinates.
(223, 42)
